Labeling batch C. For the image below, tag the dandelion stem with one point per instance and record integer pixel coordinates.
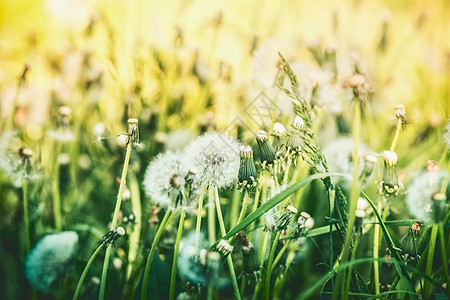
(444, 253)
(353, 197)
(199, 221)
(224, 232)
(160, 231)
(270, 264)
(211, 217)
(376, 247)
(85, 271)
(135, 234)
(173, 276)
(244, 207)
(430, 257)
(25, 214)
(254, 207)
(114, 220)
(56, 197)
(397, 134)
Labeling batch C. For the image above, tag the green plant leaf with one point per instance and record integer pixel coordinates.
(405, 280)
(272, 202)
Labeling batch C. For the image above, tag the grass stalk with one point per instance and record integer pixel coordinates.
(224, 232)
(151, 254)
(353, 195)
(270, 264)
(198, 225)
(114, 220)
(25, 214)
(173, 275)
(430, 258)
(85, 271)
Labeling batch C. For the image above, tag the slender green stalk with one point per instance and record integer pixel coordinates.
(254, 207)
(242, 213)
(198, 226)
(430, 258)
(376, 248)
(211, 217)
(160, 231)
(173, 276)
(234, 207)
(56, 196)
(25, 214)
(280, 254)
(396, 136)
(443, 253)
(270, 264)
(135, 234)
(85, 271)
(114, 220)
(224, 232)
(353, 196)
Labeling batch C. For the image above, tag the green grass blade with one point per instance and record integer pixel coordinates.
(399, 265)
(274, 201)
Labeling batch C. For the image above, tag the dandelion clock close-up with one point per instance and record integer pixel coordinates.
(224, 150)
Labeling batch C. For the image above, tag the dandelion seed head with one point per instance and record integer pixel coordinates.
(339, 156)
(216, 158)
(161, 180)
(50, 259)
(420, 191)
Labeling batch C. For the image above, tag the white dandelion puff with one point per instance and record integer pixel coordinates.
(164, 179)
(50, 259)
(216, 158)
(420, 191)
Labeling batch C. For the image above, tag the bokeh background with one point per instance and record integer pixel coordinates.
(182, 67)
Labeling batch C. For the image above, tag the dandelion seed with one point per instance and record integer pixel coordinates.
(216, 159)
(446, 136)
(50, 259)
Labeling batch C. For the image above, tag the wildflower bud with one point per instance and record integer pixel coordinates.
(361, 204)
(249, 258)
(439, 207)
(279, 131)
(304, 223)
(389, 183)
(401, 114)
(120, 231)
(298, 122)
(355, 81)
(432, 166)
(26, 153)
(247, 171)
(359, 214)
(224, 247)
(368, 167)
(409, 243)
(386, 271)
(267, 151)
(65, 111)
(133, 132)
(285, 218)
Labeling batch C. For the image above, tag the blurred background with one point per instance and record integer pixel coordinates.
(184, 67)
